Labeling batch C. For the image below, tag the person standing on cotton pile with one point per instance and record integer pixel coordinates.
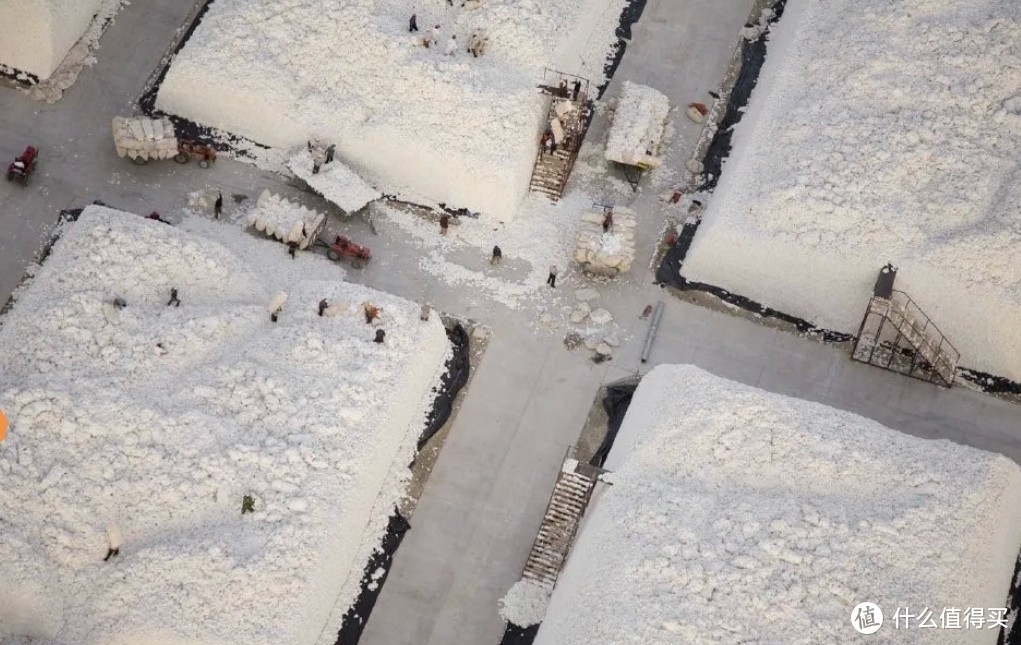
(115, 539)
(452, 45)
(444, 223)
(218, 206)
(497, 255)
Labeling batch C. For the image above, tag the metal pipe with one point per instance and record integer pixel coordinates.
(653, 328)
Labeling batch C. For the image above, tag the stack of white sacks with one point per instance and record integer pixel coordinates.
(144, 138)
(606, 253)
(285, 220)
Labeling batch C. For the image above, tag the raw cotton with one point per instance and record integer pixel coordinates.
(144, 138)
(455, 129)
(525, 603)
(606, 253)
(334, 181)
(639, 122)
(161, 419)
(741, 516)
(284, 220)
(35, 35)
(880, 133)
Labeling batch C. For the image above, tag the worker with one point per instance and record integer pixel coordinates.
(548, 143)
(323, 304)
(173, 298)
(119, 302)
(424, 315)
(292, 247)
(497, 255)
(114, 540)
(380, 336)
(218, 205)
(551, 280)
(562, 90)
(371, 312)
(330, 151)
(444, 223)
(413, 23)
(577, 90)
(608, 221)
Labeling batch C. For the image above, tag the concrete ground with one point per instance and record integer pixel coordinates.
(529, 397)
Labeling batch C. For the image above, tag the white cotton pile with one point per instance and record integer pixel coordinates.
(454, 129)
(35, 35)
(880, 133)
(308, 416)
(737, 515)
(639, 122)
(334, 181)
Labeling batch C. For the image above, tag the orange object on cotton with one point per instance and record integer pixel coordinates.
(3, 426)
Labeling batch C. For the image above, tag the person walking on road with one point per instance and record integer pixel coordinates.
(497, 256)
(552, 279)
(218, 206)
(413, 23)
(173, 298)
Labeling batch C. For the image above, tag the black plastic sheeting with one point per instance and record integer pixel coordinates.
(629, 16)
(358, 614)
(616, 403)
(458, 368)
(1012, 636)
(753, 55)
(990, 383)
(515, 635)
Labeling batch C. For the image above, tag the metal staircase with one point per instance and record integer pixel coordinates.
(896, 335)
(571, 494)
(550, 173)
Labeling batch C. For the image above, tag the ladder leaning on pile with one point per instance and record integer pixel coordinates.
(550, 172)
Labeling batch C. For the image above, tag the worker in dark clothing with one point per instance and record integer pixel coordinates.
(413, 23)
(173, 298)
(330, 152)
(380, 336)
(119, 302)
(218, 206)
(576, 91)
(322, 306)
(551, 280)
(607, 221)
(444, 223)
(292, 247)
(497, 255)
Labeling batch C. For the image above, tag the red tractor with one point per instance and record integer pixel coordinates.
(22, 167)
(343, 247)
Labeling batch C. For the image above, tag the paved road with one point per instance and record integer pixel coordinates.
(529, 398)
